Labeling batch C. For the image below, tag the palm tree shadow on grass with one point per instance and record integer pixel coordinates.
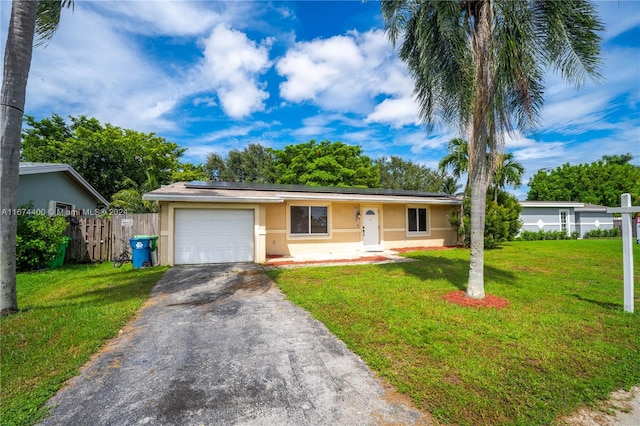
(455, 271)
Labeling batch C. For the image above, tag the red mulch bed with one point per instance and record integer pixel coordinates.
(489, 301)
(314, 262)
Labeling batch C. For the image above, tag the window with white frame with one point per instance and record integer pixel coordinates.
(564, 221)
(417, 220)
(60, 208)
(309, 220)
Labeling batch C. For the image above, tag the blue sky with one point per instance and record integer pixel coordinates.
(213, 76)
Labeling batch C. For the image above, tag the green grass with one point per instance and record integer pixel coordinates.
(65, 316)
(563, 342)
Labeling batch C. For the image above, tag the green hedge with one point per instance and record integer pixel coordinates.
(38, 240)
(547, 235)
(562, 235)
(602, 233)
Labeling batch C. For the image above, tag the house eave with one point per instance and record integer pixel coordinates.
(374, 199)
(551, 204)
(281, 199)
(209, 199)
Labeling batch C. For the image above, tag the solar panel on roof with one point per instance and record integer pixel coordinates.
(310, 189)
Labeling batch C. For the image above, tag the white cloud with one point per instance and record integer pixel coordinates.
(181, 18)
(99, 74)
(545, 150)
(516, 140)
(232, 64)
(349, 73)
(313, 132)
(396, 111)
(421, 141)
(619, 16)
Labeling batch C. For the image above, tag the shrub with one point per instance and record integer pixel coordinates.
(547, 235)
(38, 239)
(501, 221)
(602, 233)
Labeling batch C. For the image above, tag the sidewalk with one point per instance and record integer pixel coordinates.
(623, 409)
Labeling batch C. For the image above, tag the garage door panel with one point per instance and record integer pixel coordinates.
(213, 236)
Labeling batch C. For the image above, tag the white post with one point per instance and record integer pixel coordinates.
(627, 254)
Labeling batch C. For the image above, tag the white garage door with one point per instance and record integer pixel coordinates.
(213, 236)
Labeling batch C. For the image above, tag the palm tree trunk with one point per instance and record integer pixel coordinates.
(475, 286)
(478, 170)
(17, 61)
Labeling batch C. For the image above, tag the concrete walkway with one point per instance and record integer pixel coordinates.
(219, 345)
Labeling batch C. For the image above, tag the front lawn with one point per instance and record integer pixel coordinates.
(65, 316)
(563, 342)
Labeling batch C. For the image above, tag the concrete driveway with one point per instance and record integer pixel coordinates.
(219, 345)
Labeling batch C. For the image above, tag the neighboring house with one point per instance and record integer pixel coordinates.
(567, 216)
(57, 189)
(218, 222)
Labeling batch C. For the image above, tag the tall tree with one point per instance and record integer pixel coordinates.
(450, 186)
(508, 172)
(254, 163)
(325, 163)
(479, 64)
(29, 20)
(189, 172)
(601, 182)
(396, 173)
(109, 157)
(621, 159)
(457, 159)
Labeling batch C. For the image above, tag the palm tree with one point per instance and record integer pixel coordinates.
(450, 186)
(457, 159)
(28, 19)
(479, 64)
(508, 172)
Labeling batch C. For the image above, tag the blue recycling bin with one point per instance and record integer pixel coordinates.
(141, 246)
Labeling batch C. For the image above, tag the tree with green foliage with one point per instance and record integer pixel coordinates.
(508, 171)
(450, 186)
(396, 173)
(479, 65)
(29, 21)
(254, 163)
(38, 239)
(620, 159)
(130, 199)
(601, 182)
(325, 163)
(107, 156)
(502, 220)
(456, 159)
(187, 172)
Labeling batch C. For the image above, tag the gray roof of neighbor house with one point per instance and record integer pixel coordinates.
(234, 192)
(28, 168)
(578, 206)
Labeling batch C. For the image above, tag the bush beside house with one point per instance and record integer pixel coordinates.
(38, 240)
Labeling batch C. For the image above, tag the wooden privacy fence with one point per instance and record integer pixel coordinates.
(96, 239)
(617, 222)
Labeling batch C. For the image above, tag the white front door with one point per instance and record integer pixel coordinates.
(370, 229)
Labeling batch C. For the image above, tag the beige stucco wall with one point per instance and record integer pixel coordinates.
(273, 238)
(440, 232)
(164, 234)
